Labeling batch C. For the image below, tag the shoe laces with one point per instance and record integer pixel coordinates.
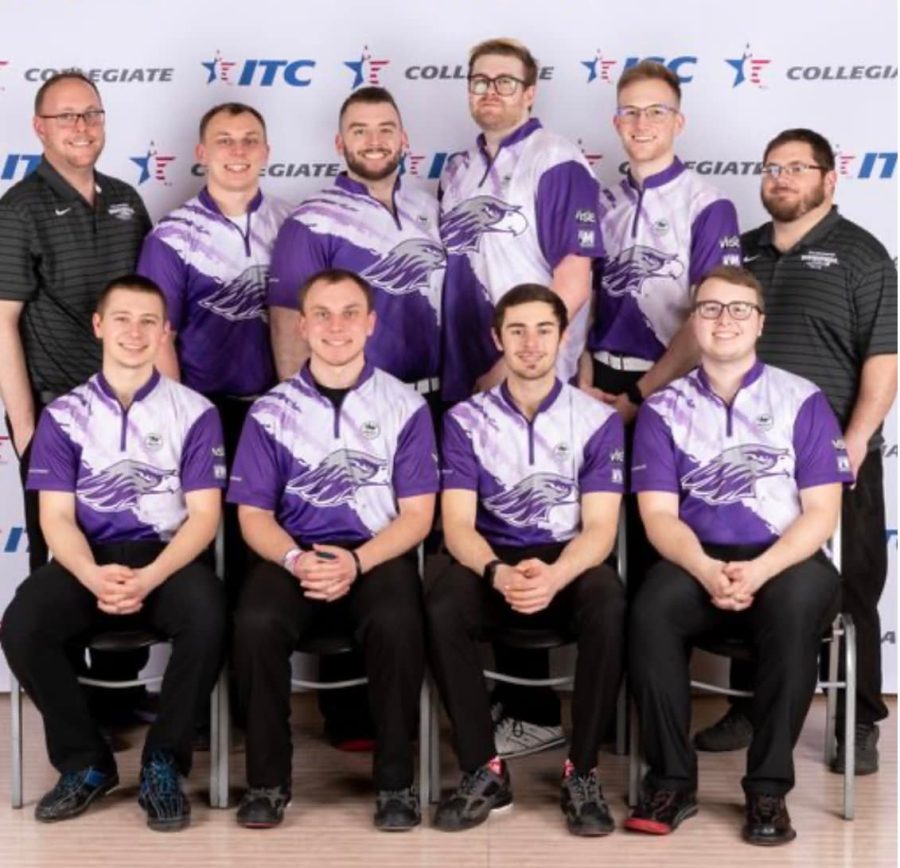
(273, 795)
(471, 781)
(161, 777)
(585, 788)
(765, 806)
(657, 800)
(70, 782)
(406, 796)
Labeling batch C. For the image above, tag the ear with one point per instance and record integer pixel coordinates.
(371, 322)
(496, 339)
(200, 153)
(96, 320)
(37, 124)
(830, 182)
(529, 94)
(680, 121)
(339, 144)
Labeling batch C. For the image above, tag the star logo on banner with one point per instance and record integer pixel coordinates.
(746, 61)
(599, 68)
(366, 69)
(218, 69)
(153, 165)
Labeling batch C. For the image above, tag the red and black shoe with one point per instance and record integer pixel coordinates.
(660, 812)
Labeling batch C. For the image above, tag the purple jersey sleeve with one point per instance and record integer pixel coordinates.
(715, 239)
(256, 476)
(604, 458)
(203, 455)
(415, 462)
(168, 271)
(53, 465)
(819, 450)
(653, 465)
(298, 253)
(567, 213)
(459, 466)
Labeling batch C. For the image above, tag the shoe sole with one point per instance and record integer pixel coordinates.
(462, 827)
(257, 824)
(174, 825)
(100, 791)
(766, 841)
(407, 828)
(858, 771)
(589, 831)
(653, 827)
(527, 751)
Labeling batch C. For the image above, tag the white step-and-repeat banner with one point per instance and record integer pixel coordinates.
(748, 71)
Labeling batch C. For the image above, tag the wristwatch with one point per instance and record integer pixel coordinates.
(489, 569)
(634, 394)
(289, 558)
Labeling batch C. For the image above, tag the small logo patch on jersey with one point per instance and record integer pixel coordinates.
(218, 451)
(838, 443)
(617, 475)
(121, 211)
(219, 471)
(617, 456)
(586, 237)
(370, 430)
(764, 421)
(819, 260)
(561, 451)
(153, 442)
(585, 215)
(843, 463)
(661, 226)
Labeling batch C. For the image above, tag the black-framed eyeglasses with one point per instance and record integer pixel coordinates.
(504, 85)
(91, 118)
(739, 310)
(655, 114)
(792, 170)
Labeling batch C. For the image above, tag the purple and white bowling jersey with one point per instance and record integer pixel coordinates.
(738, 469)
(530, 476)
(660, 239)
(214, 272)
(335, 474)
(400, 256)
(128, 469)
(508, 221)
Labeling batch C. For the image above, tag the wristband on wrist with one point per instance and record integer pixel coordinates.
(489, 569)
(357, 561)
(289, 558)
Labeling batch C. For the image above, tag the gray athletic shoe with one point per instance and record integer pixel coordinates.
(473, 800)
(732, 732)
(519, 737)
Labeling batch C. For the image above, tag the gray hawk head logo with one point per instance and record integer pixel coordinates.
(407, 267)
(243, 298)
(626, 273)
(120, 485)
(530, 501)
(731, 476)
(337, 477)
(462, 228)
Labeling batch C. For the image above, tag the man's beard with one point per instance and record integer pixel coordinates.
(361, 170)
(787, 212)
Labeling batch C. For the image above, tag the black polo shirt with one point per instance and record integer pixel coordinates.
(56, 253)
(831, 302)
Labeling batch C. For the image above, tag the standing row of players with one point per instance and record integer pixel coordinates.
(520, 207)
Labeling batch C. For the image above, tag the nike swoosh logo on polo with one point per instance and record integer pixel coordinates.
(751, 258)
(61, 211)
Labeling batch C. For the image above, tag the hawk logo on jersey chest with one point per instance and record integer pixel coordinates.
(338, 477)
(732, 475)
(120, 486)
(463, 227)
(406, 268)
(531, 500)
(244, 298)
(625, 274)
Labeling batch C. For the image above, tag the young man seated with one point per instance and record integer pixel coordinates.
(336, 475)
(129, 467)
(532, 483)
(738, 468)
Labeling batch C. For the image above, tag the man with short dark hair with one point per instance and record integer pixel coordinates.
(738, 468)
(379, 225)
(831, 297)
(211, 258)
(129, 468)
(335, 478)
(532, 480)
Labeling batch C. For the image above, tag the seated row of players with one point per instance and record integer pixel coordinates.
(738, 467)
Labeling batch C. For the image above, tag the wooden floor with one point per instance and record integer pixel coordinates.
(329, 822)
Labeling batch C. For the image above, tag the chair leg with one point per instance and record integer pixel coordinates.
(434, 747)
(831, 694)
(15, 726)
(849, 718)
(635, 763)
(219, 743)
(424, 747)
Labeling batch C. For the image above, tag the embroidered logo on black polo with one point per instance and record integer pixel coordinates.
(121, 211)
(819, 260)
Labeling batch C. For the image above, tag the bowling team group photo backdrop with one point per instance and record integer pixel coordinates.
(747, 72)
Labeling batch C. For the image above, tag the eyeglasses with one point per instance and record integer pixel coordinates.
(91, 118)
(504, 85)
(792, 170)
(738, 310)
(655, 114)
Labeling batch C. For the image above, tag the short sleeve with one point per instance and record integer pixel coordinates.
(415, 461)
(203, 455)
(256, 477)
(459, 466)
(653, 465)
(819, 452)
(53, 465)
(875, 301)
(603, 468)
(298, 254)
(567, 208)
(161, 263)
(714, 239)
(18, 254)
